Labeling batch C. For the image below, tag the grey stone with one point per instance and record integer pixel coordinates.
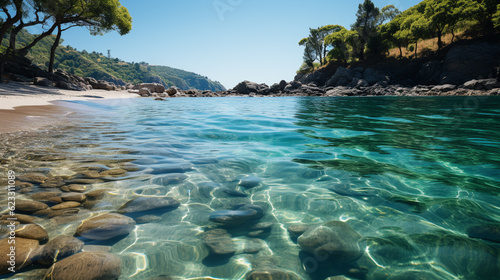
(105, 226)
(59, 248)
(41, 81)
(444, 88)
(342, 77)
(219, 242)
(239, 215)
(335, 240)
(142, 204)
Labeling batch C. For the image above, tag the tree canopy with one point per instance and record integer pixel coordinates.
(99, 16)
(375, 30)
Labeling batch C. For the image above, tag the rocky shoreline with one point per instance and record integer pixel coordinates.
(464, 68)
(483, 87)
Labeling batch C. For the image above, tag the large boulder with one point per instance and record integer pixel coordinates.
(105, 226)
(484, 84)
(172, 91)
(342, 77)
(469, 61)
(86, 266)
(145, 92)
(247, 87)
(101, 84)
(335, 240)
(153, 87)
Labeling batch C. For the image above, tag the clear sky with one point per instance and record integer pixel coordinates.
(252, 40)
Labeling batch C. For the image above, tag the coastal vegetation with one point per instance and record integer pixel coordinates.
(99, 16)
(377, 31)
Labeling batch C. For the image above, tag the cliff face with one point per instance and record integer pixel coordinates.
(456, 64)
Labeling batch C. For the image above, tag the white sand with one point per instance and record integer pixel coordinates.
(15, 94)
(26, 107)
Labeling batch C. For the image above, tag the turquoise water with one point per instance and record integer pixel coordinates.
(410, 175)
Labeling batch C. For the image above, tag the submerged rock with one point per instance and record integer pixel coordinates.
(78, 188)
(44, 195)
(105, 226)
(32, 231)
(58, 249)
(24, 219)
(147, 219)
(174, 178)
(486, 232)
(30, 206)
(219, 242)
(113, 172)
(33, 178)
(26, 250)
(241, 213)
(66, 205)
(272, 274)
(142, 204)
(78, 197)
(97, 194)
(86, 265)
(334, 240)
(297, 230)
(234, 193)
(250, 182)
(253, 246)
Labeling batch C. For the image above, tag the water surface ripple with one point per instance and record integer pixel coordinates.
(410, 175)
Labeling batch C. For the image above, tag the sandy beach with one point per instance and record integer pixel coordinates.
(25, 107)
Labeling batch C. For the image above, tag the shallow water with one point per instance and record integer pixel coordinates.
(410, 175)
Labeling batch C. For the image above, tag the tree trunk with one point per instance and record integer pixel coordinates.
(440, 41)
(40, 37)
(54, 48)
(10, 22)
(324, 53)
(416, 48)
(13, 36)
(2, 65)
(400, 51)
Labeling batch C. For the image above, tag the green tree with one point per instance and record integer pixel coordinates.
(442, 15)
(391, 33)
(496, 17)
(367, 19)
(10, 19)
(339, 41)
(483, 12)
(99, 16)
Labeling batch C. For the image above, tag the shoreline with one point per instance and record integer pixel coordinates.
(26, 107)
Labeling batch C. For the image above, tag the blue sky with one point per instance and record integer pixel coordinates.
(252, 40)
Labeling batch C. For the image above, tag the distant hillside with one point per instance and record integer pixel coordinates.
(99, 66)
